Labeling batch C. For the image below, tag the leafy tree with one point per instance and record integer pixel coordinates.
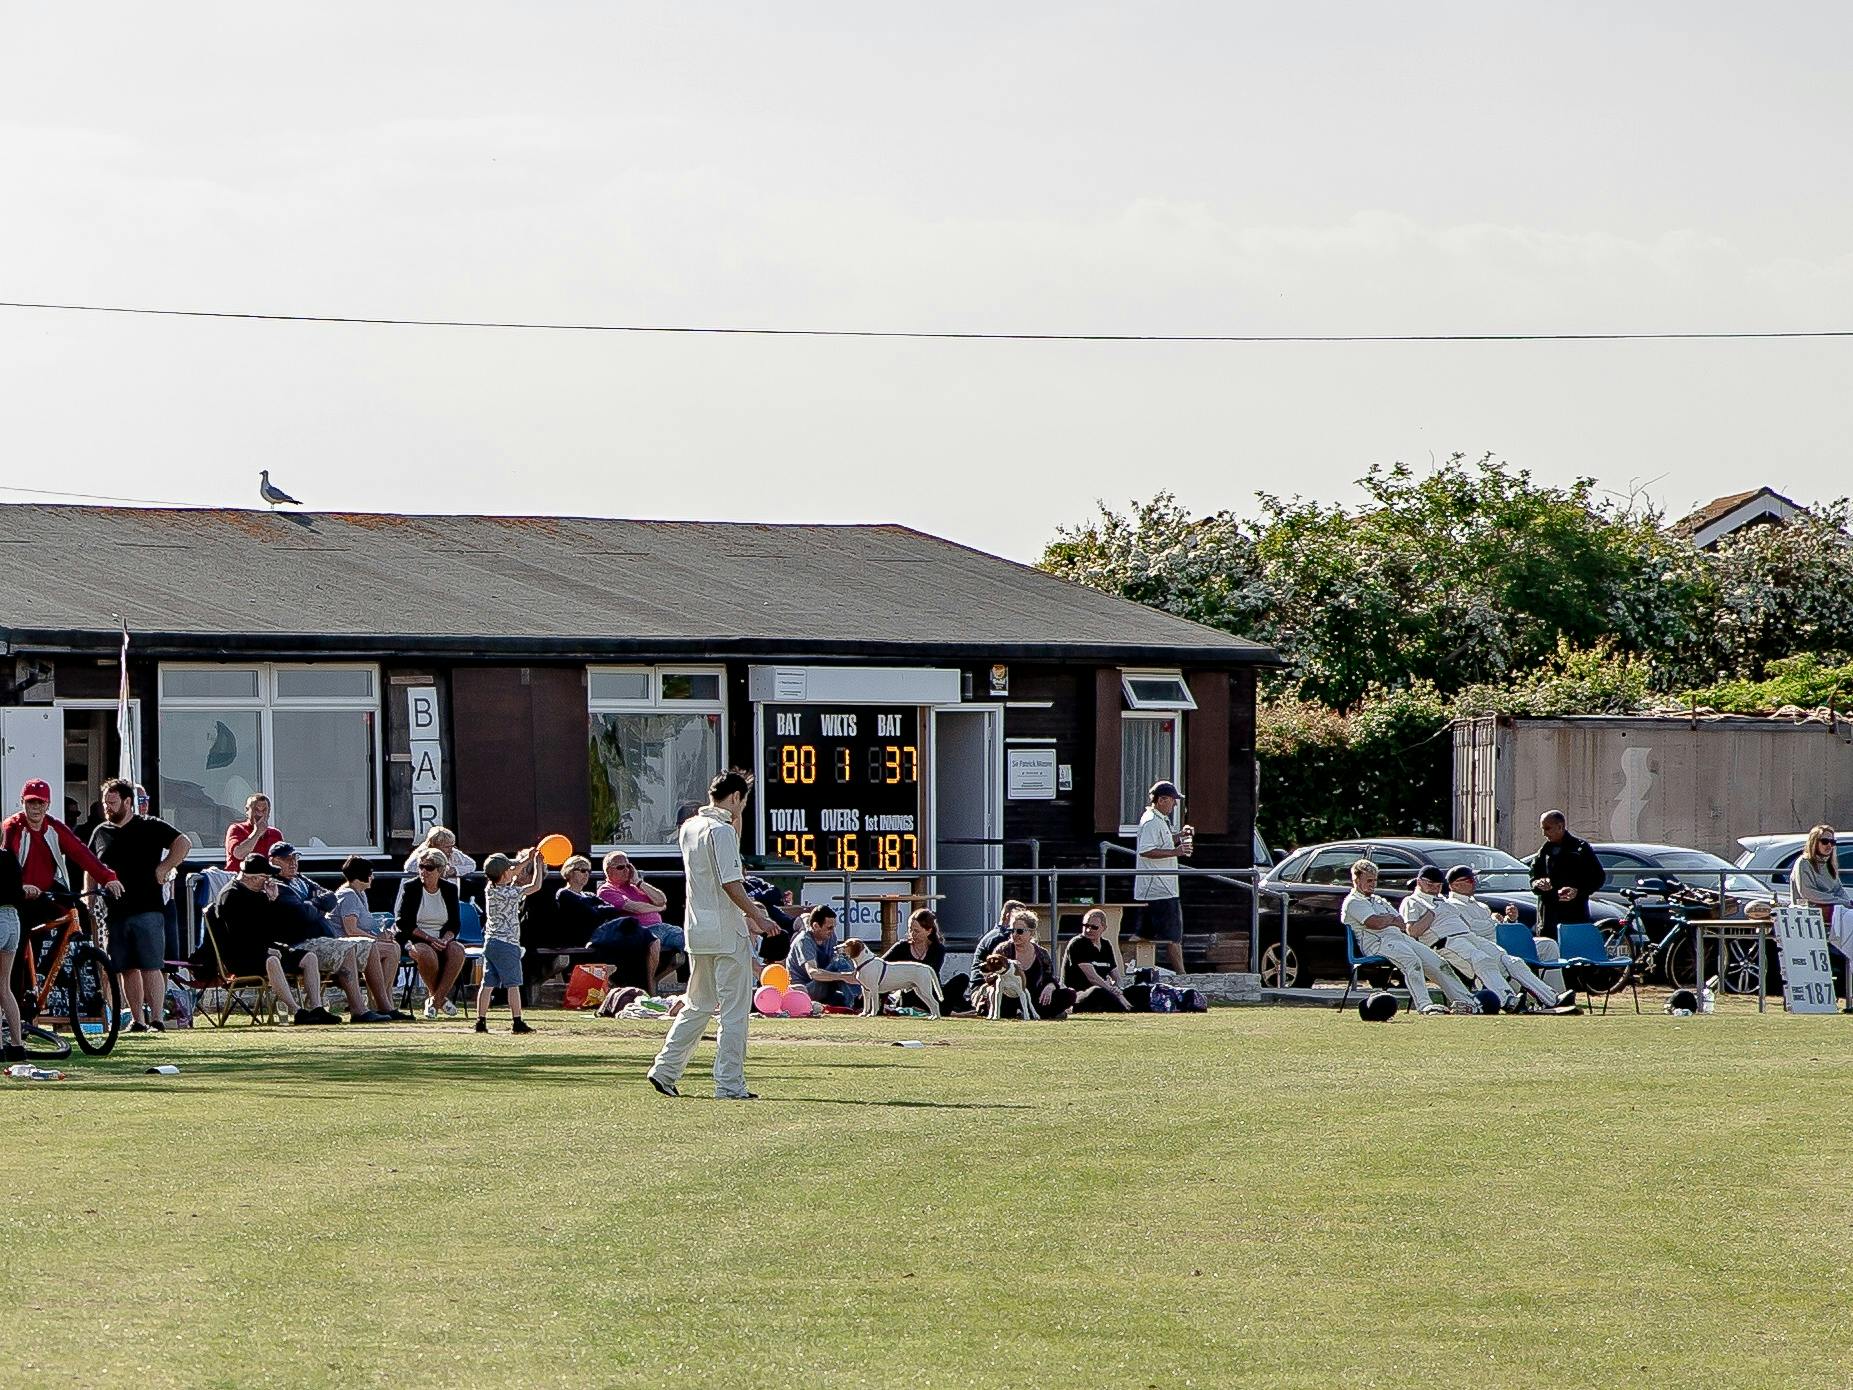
(1779, 591)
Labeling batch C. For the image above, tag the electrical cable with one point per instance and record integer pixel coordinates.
(1701, 336)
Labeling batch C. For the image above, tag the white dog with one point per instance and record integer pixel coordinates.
(879, 977)
(1003, 979)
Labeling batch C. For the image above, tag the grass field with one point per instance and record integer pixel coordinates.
(1254, 1197)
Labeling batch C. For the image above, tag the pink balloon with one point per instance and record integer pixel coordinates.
(768, 1000)
(797, 1003)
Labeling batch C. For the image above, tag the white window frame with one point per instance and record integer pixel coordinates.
(266, 702)
(657, 704)
(1139, 702)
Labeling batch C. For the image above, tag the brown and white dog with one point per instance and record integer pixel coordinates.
(1003, 979)
(880, 977)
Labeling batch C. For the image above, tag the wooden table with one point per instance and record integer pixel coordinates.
(891, 910)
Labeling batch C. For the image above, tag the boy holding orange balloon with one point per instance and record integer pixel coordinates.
(510, 880)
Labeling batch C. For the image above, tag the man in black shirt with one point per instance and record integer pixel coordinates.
(1091, 969)
(142, 851)
(250, 931)
(1563, 875)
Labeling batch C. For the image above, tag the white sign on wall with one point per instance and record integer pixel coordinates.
(427, 731)
(1807, 967)
(1029, 773)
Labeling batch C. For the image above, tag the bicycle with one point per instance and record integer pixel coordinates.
(1671, 956)
(67, 978)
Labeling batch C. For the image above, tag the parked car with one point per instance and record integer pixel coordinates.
(1769, 858)
(1697, 878)
(1312, 883)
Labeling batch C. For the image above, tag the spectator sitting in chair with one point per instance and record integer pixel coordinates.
(1546, 987)
(1091, 968)
(818, 967)
(252, 835)
(1379, 931)
(625, 889)
(1434, 920)
(429, 922)
(613, 934)
(444, 840)
(335, 952)
(353, 917)
(250, 925)
(775, 945)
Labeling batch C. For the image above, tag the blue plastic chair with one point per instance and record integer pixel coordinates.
(1355, 962)
(1515, 939)
(1586, 954)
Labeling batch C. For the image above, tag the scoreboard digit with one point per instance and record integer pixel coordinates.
(841, 786)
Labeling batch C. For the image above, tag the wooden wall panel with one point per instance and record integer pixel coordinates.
(1107, 750)
(1207, 768)
(519, 734)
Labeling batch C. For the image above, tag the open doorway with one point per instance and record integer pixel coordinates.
(968, 816)
(92, 755)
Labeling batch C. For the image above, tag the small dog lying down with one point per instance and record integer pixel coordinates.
(1003, 979)
(879, 977)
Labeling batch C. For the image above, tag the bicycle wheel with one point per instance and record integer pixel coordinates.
(91, 992)
(1676, 961)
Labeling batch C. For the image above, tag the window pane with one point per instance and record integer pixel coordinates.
(1157, 691)
(324, 780)
(313, 682)
(619, 685)
(682, 685)
(209, 683)
(646, 766)
(1147, 755)
(210, 762)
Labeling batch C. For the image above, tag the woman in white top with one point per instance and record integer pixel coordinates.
(1815, 882)
(429, 922)
(444, 841)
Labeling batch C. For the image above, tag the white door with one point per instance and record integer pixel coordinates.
(34, 747)
(968, 816)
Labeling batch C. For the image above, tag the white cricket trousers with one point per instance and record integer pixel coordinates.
(1495, 969)
(717, 986)
(1415, 960)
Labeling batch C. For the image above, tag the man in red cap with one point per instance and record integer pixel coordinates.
(42, 844)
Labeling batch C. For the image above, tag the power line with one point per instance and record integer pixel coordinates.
(942, 335)
(90, 496)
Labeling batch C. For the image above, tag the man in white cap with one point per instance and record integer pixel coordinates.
(1379, 931)
(720, 923)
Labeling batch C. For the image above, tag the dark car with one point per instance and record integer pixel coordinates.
(1655, 871)
(1312, 883)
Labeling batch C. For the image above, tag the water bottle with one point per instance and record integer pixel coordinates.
(1708, 1000)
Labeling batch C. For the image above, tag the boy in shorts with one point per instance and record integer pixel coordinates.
(507, 886)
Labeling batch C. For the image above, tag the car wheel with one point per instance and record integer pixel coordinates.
(1280, 971)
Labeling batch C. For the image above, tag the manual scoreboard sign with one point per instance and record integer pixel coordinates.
(840, 786)
(1807, 966)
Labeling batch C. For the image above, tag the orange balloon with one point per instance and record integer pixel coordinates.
(776, 977)
(555, 850)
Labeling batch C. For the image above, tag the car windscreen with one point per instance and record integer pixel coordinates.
(1494, 868)
(1701, 870)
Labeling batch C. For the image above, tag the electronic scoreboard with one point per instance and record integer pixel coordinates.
(841, 787)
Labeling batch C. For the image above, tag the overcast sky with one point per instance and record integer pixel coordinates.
(1150, 168)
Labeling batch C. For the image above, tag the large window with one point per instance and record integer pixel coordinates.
(658, 736)
(306, 735)
(1151, 739)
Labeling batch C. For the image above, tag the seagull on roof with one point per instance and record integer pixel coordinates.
(272, 493)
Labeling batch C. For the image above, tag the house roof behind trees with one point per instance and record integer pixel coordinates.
(1723, 516)
(197, 579)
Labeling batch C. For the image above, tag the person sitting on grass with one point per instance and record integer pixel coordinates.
(1053, 999)
(250, 925)
(1091, 968)
(301, 898)
(429, 922)
(353, 917)
(1378, 927)
(998, 934)
(925, 946)
(818, 966)
(508, 884)
(612, 934)
(625, 889)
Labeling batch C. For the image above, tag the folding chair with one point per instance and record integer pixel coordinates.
(471, 933)
(1355, 962)
(229, 985)
(1586, 954)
